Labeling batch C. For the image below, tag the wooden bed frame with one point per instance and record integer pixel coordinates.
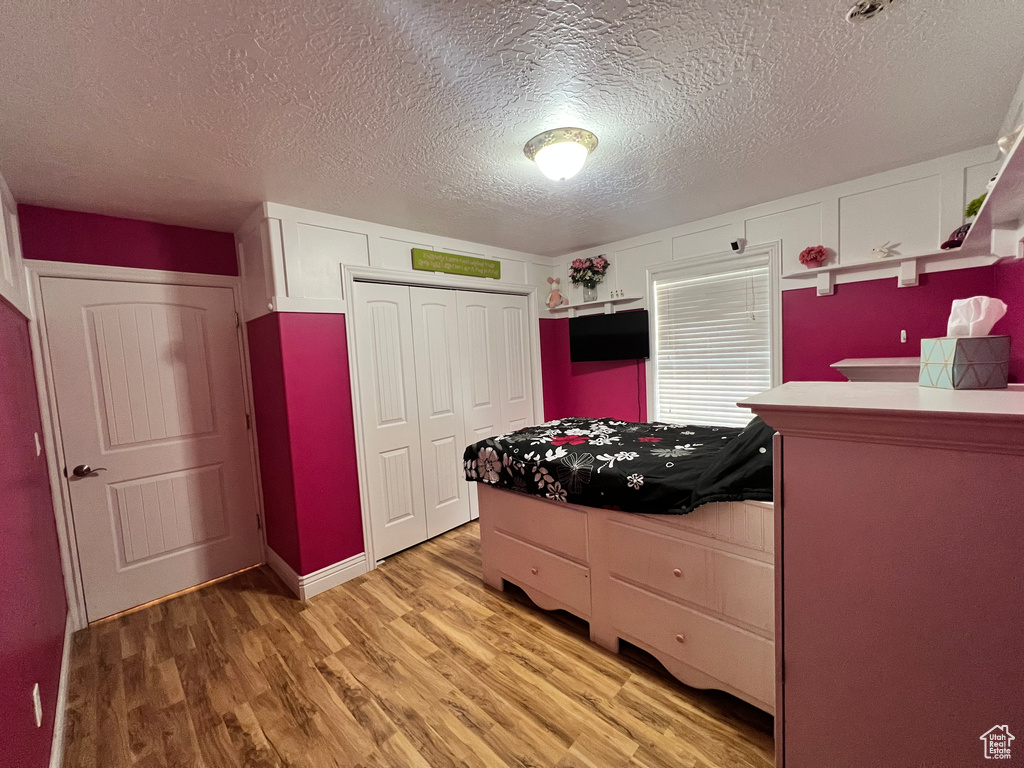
(695, 591)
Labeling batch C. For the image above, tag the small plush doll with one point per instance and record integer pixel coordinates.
(555, 298)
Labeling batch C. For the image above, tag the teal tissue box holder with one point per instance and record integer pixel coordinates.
(970, 362)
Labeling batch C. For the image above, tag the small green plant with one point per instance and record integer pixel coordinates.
(974, 206)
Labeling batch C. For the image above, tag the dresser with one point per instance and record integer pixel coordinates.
(899, 591)
(695, 591)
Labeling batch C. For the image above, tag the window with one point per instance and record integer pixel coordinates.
(713, 345)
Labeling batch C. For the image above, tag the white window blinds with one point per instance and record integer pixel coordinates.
(713, 345)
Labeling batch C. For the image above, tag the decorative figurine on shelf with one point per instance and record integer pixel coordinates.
(555, 298)
(957, 238)
(814, 256)
(885, 251)
(588, 273)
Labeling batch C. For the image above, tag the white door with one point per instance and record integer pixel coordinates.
(497, 368)
(148, 380)
(390, 415)
(515, 372)
(479, 338)
(435, 331)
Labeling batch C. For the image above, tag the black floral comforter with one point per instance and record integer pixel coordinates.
(650, 468)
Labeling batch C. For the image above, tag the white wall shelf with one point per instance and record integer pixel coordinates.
(910, 268)
(999, 226)
(608, 305)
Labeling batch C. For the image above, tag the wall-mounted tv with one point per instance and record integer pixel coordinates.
(620, 336)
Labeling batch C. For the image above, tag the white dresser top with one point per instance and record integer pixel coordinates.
(890, 396)
(990, 420)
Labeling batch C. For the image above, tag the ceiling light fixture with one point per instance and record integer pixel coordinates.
(560, 153)
(867, 9)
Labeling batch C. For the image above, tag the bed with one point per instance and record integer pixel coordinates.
(656, 534)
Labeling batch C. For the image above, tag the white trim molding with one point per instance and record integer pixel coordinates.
(305, 587)
(60, 714)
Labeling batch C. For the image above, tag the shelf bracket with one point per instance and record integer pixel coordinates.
(825, 283)
(908, 276)
(1006, 240)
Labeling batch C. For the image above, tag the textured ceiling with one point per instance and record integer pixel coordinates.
(415, 112)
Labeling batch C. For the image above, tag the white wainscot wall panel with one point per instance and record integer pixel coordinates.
(916, 207)
(395, 254)
(13, 283)
(313, 257)
(254, 269)
(976, 179)
(630, 267)
(905, 216)
(292, 260)
(712, 240)
(796, 228)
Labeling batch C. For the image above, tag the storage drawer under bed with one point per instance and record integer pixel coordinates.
(534, 568)
(732, 655)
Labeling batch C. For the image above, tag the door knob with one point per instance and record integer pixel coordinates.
(84, 470)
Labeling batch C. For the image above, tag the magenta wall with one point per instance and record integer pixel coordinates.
(51, 234)
(319, 397)
(33, 608)
(306, 437)
(865, 319)
(615, 389)
(273, 442)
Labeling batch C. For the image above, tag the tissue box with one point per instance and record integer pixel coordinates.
(969, 362)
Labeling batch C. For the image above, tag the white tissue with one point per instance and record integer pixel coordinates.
(974, 316)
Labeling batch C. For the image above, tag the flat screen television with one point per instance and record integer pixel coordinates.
(619, 336)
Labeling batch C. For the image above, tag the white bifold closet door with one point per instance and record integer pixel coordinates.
(438, 369)
(435, 334)
(497, 366)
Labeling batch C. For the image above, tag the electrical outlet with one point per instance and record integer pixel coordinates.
(38, 703)
(903, 337)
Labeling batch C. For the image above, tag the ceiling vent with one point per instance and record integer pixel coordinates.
(867, 9)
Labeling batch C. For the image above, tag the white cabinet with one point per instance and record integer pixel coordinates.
(437, 369)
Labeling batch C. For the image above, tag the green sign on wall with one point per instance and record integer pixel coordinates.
(454, 264)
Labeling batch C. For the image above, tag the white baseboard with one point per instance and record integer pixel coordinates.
(314, 583)
(60, 716)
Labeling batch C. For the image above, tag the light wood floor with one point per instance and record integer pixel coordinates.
(415, 664)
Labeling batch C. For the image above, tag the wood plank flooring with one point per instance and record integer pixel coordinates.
(417, 663)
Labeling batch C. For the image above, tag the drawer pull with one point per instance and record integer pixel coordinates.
(680, 639)
(533, 571)
(677, 573)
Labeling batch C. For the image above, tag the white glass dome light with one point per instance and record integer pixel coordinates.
(561, 153)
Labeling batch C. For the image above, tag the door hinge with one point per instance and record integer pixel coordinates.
(238, 321)
(248, 421)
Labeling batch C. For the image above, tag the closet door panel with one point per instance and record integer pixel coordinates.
(480, 344)
(391, 420)
(440, 398)
(514, 361)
